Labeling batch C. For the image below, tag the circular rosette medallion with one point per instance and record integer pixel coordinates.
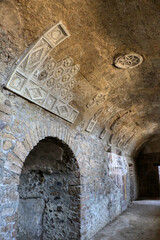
(131, 60)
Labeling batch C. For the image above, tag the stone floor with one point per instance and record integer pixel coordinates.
(141, 221)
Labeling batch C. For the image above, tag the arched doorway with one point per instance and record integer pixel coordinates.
(148, 169)
(49, 190)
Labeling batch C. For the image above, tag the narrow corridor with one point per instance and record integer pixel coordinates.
(141, 221)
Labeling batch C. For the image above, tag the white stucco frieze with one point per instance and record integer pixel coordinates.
(42, 80)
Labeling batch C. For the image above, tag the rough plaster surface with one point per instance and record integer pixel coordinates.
(99, 31)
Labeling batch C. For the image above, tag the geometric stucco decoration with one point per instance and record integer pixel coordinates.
(131, 60)
(96, 100)
(42, 80)
(94, 119)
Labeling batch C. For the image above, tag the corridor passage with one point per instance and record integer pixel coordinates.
(141, 221)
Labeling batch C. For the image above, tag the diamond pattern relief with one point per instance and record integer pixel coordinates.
(17, 82)
(74, 115)
(35, 56)
(50, 102)
(42, 80)
(35, 93)
(63, 111)
(94, 119)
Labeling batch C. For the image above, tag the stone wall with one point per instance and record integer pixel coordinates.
(104, 176)
(102, 168)
(48, 182)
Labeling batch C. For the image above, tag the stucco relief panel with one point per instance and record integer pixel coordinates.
(94, 119)
(42, 80)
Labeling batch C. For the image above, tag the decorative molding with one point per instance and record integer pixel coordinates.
(42, 80)
(118, 151)
(103, 133)
(131, 60)
(108, 148)
(94, 119)
(96, 100)
(107, 133)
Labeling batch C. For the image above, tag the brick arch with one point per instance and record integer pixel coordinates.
(61, 168)
(16, 158)
(33, 136)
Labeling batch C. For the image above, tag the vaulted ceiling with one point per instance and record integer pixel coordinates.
(100, 30)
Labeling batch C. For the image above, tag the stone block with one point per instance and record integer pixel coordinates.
(28, 139)
(4, 117)
(2, 124)
(5, 109)
(20, 151)
(34, 137)
(9, 195)
(15, 160)
(8, 136)
(7, 145)
(35, 133)
(15, 169)
(11, 166)
(39, 131)
(13, 180)
(45, 129)
(12, 195)
(7, 212)
(30, 218)
(26, 145)
(11, 219)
